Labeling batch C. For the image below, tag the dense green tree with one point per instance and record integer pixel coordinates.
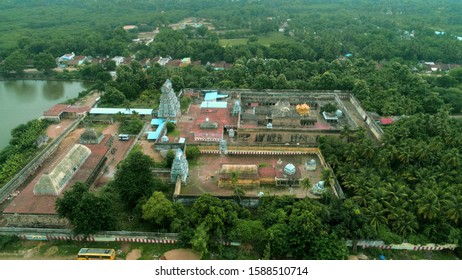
(15, 62)
(45, 62)
(192, 152)
(158, 209)
(88, 213)
(200, 240)
(112, 97)
(134, 179)
(170, 127)
(169, 158)
(131, 124)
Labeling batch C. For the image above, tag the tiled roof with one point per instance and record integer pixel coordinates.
(58, 109)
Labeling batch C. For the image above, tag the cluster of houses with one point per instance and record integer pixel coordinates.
(74, 61)
(430, 66)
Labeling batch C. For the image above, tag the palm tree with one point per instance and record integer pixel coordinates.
(376, 215)
(403, 222)
(451, 159)
(234, 178)
(452, 206)
(347, 133)
(239, 193)
(395, 192)
(306, 184)
(428, 204)
(327, 176)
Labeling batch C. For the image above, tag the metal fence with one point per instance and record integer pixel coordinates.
(66, 234)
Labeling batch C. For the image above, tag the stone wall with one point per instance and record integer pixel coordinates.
(373, 127)
(31, 220)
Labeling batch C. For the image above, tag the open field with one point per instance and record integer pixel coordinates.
(266, 40)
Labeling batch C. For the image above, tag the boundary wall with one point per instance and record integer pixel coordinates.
(41, 234)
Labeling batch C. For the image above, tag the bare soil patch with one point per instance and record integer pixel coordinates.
(181, 254)
(133, 254)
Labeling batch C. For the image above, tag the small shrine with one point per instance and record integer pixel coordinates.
(303, 109)
(310, 165)
(318, 188)
(290, 169)
(207, 124)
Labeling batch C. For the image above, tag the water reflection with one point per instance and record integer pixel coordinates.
(53, 90)
(23, 91)
(21, 101)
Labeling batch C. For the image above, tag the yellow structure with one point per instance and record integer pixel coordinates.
(303, 109)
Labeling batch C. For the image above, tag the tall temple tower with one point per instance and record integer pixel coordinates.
(180, 167)
(169, 105)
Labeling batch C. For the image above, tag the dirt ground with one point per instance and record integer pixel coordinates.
(180, 254)
(148, 149)
(133, 254)
(120, 148)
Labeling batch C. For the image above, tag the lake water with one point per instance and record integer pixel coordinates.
(25, 100)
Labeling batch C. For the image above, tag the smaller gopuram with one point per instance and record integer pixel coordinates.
(179, 167)
(169, 105)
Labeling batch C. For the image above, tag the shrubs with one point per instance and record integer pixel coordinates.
(192, 152)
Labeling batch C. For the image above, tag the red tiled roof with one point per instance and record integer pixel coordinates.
(79, 57)
(174, 63)
(267, 172)
(58, 109)
(386, 121)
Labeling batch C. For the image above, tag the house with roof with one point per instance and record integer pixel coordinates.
(62, 61)
(386, 121)
(185, 62)
(118, 60)
(164, 60)
(77, 61)
(64, 111)
(67, 57)
(173, 63)
(220, 65)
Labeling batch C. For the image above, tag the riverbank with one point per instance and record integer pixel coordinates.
(56, 75)
(24, 100)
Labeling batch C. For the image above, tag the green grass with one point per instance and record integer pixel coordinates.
(266, 40)
(233, 42)
(174, 133)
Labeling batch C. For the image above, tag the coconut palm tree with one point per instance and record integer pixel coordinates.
(452, 206)
(376, 215)
(306, 184)
(403, 222)
(239, 193)
(428, 204)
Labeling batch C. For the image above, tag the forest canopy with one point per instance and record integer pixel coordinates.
(379, 30)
